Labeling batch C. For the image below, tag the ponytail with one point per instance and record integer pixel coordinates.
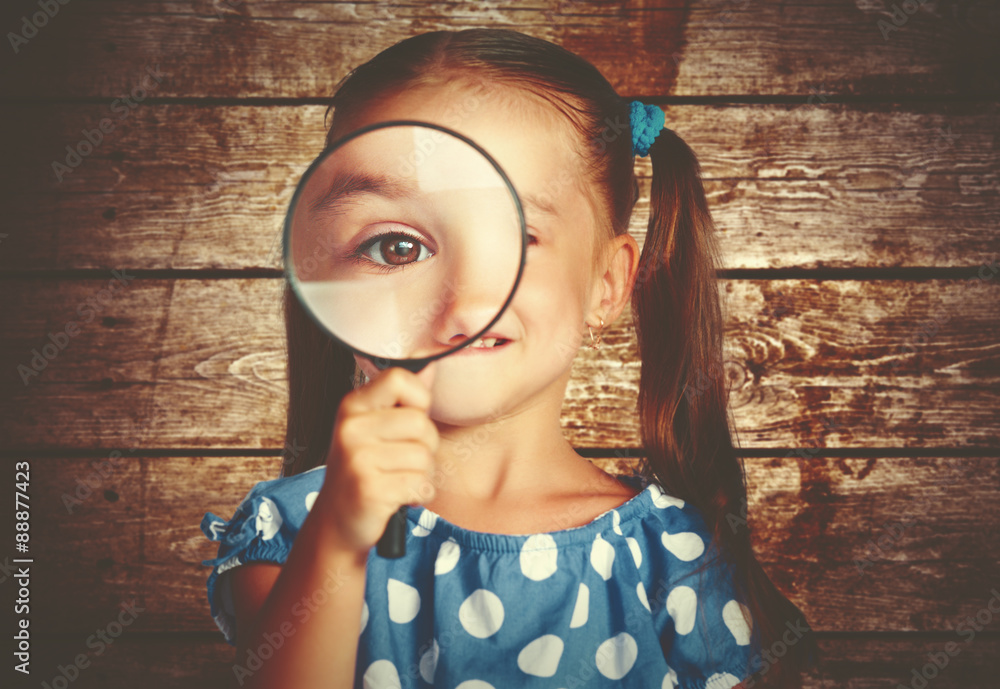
(682, 393)
(320, 373)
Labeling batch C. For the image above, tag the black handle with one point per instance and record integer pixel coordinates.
(393, 542)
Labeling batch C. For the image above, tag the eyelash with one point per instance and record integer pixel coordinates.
(358, 255)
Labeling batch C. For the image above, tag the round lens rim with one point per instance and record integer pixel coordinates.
(417, 363)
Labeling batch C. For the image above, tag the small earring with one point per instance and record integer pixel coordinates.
(595, 342)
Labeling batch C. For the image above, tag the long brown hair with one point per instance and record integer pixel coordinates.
(683, 400)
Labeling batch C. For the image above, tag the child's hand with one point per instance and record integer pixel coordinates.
(381, 456)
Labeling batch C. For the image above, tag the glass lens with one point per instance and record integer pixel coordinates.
(404, 241)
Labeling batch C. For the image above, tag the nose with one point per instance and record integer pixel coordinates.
(471, 297)
(479, 258)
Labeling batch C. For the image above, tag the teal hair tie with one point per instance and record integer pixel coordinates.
(647, 123)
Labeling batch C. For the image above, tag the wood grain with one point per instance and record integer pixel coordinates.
(859, 544)
(201, 363)
(826, 140)
(823, 185)
(709, 48)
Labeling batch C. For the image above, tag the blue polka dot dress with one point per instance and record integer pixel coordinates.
(613, 603)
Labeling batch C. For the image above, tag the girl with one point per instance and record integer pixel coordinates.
(526, 565)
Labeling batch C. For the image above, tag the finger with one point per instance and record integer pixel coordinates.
(410, 489)
(399, 423)
(398, 457)
(396, 386)
(368, 434)
(401, 488)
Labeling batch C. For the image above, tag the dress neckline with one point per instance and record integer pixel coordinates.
(425, 523)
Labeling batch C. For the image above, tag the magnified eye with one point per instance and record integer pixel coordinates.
(394, 249)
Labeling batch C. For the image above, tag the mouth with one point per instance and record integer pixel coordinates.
(485, 344)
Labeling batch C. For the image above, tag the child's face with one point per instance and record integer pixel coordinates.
(545, 322)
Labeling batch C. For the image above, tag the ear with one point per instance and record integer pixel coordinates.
(615, 273)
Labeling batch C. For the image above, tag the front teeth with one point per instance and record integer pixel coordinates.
(485, 342)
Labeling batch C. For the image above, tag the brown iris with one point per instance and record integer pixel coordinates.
(398, 251)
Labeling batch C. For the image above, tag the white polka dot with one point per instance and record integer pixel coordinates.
(268, 520)
(425, 524)
(404, 601)
(661, 499)
(670, 680)
(685, 545)
(538, 557)
(722, 680)
(481, 613)
(616, 656)
(310, 499)
(429, 661)
(541, 657)
(640, 591)
(364, 615)
(474, 684)
(381, 675)
(682, 605)
(633, 545)
(602, 555)
(732, 615)
(616, 520)
(582, 608)
(447, 556)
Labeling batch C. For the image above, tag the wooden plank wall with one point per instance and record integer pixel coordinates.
(850, 154)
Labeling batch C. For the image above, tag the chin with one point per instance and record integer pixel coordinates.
(474, 396)
(468, 400)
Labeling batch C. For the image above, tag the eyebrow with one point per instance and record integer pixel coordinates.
(536, 203)
(345, 186)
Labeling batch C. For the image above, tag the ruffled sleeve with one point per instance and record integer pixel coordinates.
(262, 529)
(705, 639)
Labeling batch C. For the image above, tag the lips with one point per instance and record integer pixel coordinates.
(488, 343)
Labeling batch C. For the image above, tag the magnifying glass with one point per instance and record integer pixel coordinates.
(405, 242)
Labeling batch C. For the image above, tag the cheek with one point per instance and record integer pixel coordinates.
(552, 293)
(567, 267)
